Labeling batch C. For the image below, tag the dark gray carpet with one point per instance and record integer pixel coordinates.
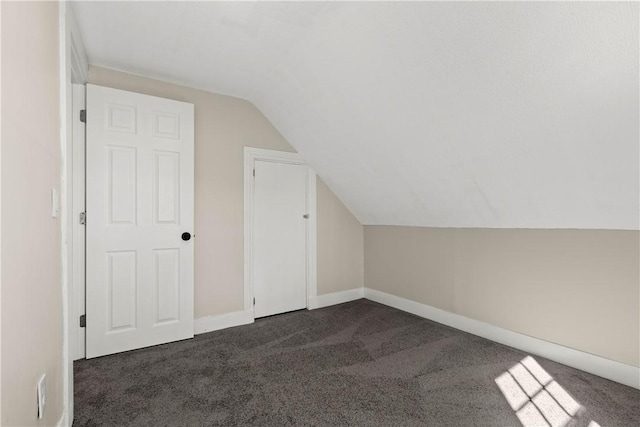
(360, 363)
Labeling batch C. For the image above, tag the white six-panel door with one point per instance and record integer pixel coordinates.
(279, 261)
(140, 178)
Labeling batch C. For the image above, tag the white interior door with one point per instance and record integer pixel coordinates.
(139, 203)
(279, 261)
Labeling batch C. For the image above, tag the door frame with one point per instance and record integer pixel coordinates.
(74, 69)
(77, 231)
(251, 155)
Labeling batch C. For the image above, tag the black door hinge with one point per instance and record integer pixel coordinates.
(254, 173)
(254, 301)
(83, 320)
(83, 116)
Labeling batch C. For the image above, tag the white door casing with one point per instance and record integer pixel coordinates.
(140, 182)
(74, 71)
(280, 216)
(77, 273)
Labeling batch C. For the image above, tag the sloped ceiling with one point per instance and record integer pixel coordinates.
(446, 114)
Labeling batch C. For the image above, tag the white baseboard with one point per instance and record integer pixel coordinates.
(244, 317)
(63, 421)
(223, 321)
(335, 298)
(606, 368)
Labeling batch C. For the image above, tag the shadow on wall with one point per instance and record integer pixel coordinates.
(536, 397)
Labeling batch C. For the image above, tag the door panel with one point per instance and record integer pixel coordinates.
(139, 202)
(166, 189)
(122, 282)
(279, 274)
(121, 203)
(166, 286)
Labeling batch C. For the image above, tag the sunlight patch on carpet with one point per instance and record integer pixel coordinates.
(536, 398)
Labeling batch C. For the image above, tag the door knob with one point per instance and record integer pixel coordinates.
(186, 236)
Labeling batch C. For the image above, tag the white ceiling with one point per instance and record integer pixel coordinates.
(444, 114)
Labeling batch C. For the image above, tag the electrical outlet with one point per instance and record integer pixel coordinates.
(42, 395)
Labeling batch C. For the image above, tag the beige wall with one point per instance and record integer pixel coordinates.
(340, 240)
(223, 127)
(31, 251)
(577, 288)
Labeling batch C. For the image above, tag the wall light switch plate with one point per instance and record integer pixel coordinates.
(55, 203)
